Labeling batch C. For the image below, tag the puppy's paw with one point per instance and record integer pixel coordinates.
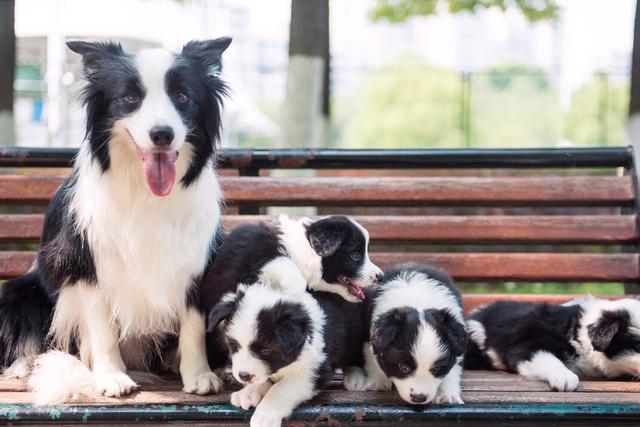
(355, 379)
(202, 383)
(449, 396)
(114, 384)
(266, 418)
(564, 381)
(380, 384)
(19, 369)
(247, 398)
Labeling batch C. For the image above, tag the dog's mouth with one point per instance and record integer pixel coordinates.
(353, 289)
(159, 169)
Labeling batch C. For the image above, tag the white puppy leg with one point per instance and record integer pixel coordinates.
(194, 369)
(280, 401)
(449, 390)
(377, 379)
(250, 395)
(547, 367)
(282, 273)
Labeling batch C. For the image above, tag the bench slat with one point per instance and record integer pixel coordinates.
(468, 266)
(413, 191)
(607, 229)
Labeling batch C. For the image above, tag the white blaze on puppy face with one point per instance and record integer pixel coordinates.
(421, 386)
(369, 272)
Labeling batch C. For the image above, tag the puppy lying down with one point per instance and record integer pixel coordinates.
(285, 348)
(417, 337)
(558, 344)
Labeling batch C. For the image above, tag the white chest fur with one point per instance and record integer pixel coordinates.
(147, 250)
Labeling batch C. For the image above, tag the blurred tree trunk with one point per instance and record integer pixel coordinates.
(634, 99)
(7, 70)
(306, 109)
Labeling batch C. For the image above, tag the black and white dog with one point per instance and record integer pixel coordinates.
(329, 254)
(417, 337)
(285, 348)
(559, 344)
(129, 234)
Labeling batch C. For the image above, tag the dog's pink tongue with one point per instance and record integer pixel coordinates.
(160, 171)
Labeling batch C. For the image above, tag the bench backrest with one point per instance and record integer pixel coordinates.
(559, 215)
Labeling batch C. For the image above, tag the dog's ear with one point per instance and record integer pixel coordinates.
(450, 329)
(207, 52)
(385, 329)
(222, 311)
(94, 54)
(291, 328)
(327, 234)
(602, 332)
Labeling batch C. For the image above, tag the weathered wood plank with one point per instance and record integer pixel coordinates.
(468, 266)
(413, 191)
(483, 228)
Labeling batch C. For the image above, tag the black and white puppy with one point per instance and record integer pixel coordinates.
(559, 344)
(129, 234)
(328, 254)
(417, 337)
(284, 348)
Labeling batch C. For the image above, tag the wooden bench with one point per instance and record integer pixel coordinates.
(487, 216)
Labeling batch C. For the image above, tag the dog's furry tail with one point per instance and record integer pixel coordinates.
(25, 318)
(59, 377)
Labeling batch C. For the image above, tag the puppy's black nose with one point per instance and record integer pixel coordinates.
(161, 136)
(245, 376)
(379, 277)
(418, 398)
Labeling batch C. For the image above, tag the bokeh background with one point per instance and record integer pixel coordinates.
(382, 73)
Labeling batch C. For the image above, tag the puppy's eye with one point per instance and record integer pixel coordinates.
(356, 256)
(265, 351)
(404, 368)
(180, 98)
(132, 98)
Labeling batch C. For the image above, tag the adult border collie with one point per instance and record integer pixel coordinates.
(589, 337)
(130, 232)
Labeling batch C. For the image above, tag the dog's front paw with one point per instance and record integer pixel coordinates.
(19, 369)
(380, 384)
(266, 418)
(564, 381)
(355, 379)
(449, 396)
(202, 383)
(247, 398)
(114, 384)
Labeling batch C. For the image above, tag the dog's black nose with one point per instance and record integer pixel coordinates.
(379, 277)
(245, 376)
(418, 398)
(161, 136)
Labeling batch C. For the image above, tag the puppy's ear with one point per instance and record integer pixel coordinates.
(291, 328)
(450, 329)
(222, 311)
(389, 325)
(326, 235)
(207, 52)
(94, 54)
(602, 332)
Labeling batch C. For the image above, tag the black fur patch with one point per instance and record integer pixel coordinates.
(517, 330)
(341, 245)
(611, 335)
(393, 336)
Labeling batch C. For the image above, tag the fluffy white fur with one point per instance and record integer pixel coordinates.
(547, 367)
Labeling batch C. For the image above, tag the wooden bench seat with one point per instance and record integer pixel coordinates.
(562, 215)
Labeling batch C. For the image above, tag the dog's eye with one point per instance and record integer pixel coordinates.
(265, 351)
(356, 256)
(180, 98)
(404, 368)
(132, 98)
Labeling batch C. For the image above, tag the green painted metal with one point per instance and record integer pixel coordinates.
(322, 413)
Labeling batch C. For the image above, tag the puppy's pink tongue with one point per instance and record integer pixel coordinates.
(160, 171)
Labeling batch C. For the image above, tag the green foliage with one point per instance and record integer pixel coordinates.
(401, 10)
(598, 113)
(411, 106)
